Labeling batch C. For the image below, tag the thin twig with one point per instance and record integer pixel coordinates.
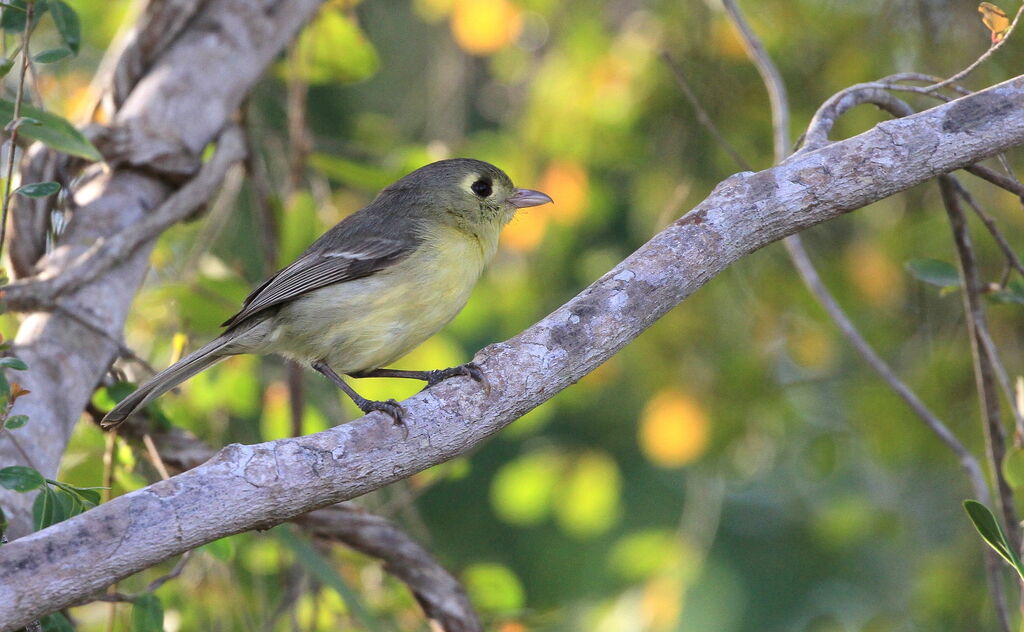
(1004, 182)
(154, 456)
(16, 120)
(120, 597)
(1011, 257)
(14, 442)
(702, 115)
(298, 152)
(771, 77)
(984, 57)
(977, 328)
(814, 282)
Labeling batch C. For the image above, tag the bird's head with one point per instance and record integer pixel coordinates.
(470, 193)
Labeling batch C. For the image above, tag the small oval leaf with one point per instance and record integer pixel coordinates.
(147, 614)
(16, 421)
(9, 362)
(54, 131)
(51, 55)
(38, 189)
(934, 272)
(20, 478)
(990, 531)
(68, 24)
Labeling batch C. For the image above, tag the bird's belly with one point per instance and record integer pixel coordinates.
(368, 323)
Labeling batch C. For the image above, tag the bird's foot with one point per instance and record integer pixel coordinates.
(469, 369)
(389, 407)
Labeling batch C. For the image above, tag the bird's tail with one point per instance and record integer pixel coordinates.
(167, 379)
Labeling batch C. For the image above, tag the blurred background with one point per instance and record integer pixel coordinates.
(737, 467)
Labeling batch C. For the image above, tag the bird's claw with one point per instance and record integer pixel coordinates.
(389, 407)
(469, 369)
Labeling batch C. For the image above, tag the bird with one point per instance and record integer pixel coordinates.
(373, 287)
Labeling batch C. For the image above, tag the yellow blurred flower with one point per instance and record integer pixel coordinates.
(567, 183)
(873, 273)
(526, 230)
(726, 40)
(812, 347)
(482, 27)
(662, 602)
(674, 429)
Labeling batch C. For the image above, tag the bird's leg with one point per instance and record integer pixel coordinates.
(469, 369)
(390, 407)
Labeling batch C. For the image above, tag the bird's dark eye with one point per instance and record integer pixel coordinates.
(481, 187)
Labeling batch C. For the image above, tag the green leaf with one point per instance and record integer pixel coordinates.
(318, 566)
(68, 24)
(90, 497)
(147, 614)
(14, 15)
(333, 49)
(992, 533)
(351, 172)
(54, 131)
(66, 505)
(9, 362)
(20, 478)
(3, 521)
(222, 549)
(51, 55)
(38, 189)
(84, 495)
(934, 272)
(5, 66)
(15, 421)
(56, 622)
(1013, 293)
(45, 509)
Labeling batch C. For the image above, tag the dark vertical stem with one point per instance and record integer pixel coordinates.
(15, 120)
(995, 436)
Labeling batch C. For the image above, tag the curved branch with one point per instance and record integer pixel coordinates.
(257, 486)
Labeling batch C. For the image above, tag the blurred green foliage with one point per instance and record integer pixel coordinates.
(735, 468)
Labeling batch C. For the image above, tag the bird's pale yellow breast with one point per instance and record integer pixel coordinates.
(371, 322)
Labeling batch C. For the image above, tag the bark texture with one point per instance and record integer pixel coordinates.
(257, 486)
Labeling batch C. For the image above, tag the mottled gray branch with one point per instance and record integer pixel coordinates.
(441, 596)
(258, 486)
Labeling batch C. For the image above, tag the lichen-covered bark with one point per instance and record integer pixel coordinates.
(246, 487)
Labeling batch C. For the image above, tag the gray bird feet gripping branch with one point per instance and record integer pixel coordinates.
(469, 369)
(389, 407)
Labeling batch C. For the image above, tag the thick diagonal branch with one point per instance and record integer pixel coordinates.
(246, 487)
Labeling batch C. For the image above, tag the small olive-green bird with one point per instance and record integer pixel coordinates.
(372, 288)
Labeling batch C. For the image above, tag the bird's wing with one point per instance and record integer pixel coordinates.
(319, 267)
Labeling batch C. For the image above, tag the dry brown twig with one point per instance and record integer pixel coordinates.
(983, 58)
